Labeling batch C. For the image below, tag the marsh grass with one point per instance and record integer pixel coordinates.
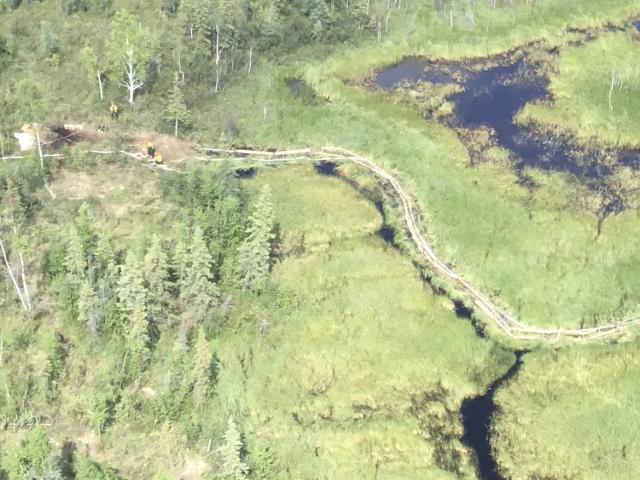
(581, 85)
(337, 378)
(571, 413)
(537, 252)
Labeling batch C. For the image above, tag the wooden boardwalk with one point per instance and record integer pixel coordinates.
(505, 322)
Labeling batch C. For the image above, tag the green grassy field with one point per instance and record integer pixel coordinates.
(571, 414)
(581, 96)
(339, 379)
(535, 252)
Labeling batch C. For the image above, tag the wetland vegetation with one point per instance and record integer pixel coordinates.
(204, 318)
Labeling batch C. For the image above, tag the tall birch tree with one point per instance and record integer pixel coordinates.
(129, 52)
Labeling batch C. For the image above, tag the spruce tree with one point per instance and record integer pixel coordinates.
(89, 308)
(132, 301)
(254, 255)
(186, 16)
(86, 469)
(132, 293)
(198, 292)
(137, 342)
(201, 371)
(195, 16)
(75, 260)
(177, 111)
(180, 261)
(105, 258)
(107, 275)
(12, 209)
(232, 465)
(83, 223)
(360, 10)
(226, 17)
(158, 282)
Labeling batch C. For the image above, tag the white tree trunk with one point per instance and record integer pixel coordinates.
(13, 278)
(176, 128)
(2, 146)
(100, 84)
(217, 59)
(451, 15)
(25, 288)
(44, 175)
(132, 81)
(613, 82)
(180, 67)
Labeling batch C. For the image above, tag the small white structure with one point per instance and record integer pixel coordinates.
(27, 140)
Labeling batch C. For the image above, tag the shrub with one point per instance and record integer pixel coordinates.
(48, 41)
(29, 458)
(87, 469)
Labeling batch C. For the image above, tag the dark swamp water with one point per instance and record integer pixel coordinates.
(477, 413)
(493, 91)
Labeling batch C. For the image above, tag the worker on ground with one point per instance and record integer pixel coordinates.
(157, 158)
(113, 109)
(148, 146)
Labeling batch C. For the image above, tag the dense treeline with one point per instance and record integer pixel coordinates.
(169, 59)
(150, 307)
(119, 300)
(123, 52)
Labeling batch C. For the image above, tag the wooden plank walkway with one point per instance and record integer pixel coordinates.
(505, 322)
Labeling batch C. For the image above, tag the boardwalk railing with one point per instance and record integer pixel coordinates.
(505, 322)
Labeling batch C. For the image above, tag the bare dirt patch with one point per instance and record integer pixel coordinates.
(172, 149)
(193, 469)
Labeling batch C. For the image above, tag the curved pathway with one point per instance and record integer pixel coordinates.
(509, 325)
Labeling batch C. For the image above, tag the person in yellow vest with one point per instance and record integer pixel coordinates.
(113, 109)
(158, 158)
(148, 146)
